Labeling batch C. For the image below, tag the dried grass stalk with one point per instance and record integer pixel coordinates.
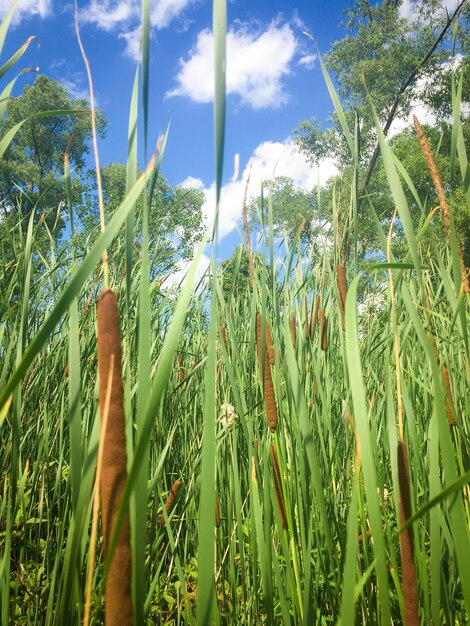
(281, 505)
(410, 585)
(342, 290)
(170, 500)
(451, 418)
(445, 209)
(118, 596)
(268, 386)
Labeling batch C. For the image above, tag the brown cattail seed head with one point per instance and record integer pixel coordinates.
(170, 499)
(118, 596)
(268, 386)
(293, 330)
(410, 585)
(445, 209)
(449, 398)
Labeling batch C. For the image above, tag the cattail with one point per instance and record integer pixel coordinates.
(293, 330)
(180, 363)
(118, 596)
(341, 280)
(361, 537)
(67, 369)
(223, 334)
(410, 588)
(170, 499)
(449, 397)
(445, 209)
(268, 386)
(323, 330)
(315, 313)
(306, 318)
(217, 511)
(281, 505)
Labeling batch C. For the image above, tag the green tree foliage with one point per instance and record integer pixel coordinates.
(175, 213)
(291, 206)
(235, 273)
(32, 167)
(392, 58)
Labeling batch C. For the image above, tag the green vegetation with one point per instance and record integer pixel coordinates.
(306, 426)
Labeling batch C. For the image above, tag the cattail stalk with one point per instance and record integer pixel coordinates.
(118, 596)
(217, 511)
(307, 327)
(181, 368)
(281, 505)
(315, 313)
(247, 232)
(323, 330)
(342, 290)
(445, 209)
(410, 585)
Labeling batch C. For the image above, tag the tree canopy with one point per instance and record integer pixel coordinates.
(175, 213)
(32, 166)
(389, 59)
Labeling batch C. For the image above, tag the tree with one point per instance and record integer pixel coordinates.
(32, 166)
(291, 206)
(392, 59)
(388, 59)
(235, 273)
(175, 213)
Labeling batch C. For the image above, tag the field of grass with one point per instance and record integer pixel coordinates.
(296, 428)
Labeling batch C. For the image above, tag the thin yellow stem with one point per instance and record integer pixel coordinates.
(396, 344)
(96, 497)
(95, 146)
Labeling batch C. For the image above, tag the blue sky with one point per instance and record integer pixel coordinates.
(273, 81)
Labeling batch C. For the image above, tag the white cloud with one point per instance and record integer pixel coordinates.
(257, 62)
(26, 8)
(110, 14)
(408, 8)
(165, 11)
(132, 39)
(308, 61)
(421, 110)
(192, 183)
(124, 14)
(268, 160)
(77, 87)
(176, 278)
